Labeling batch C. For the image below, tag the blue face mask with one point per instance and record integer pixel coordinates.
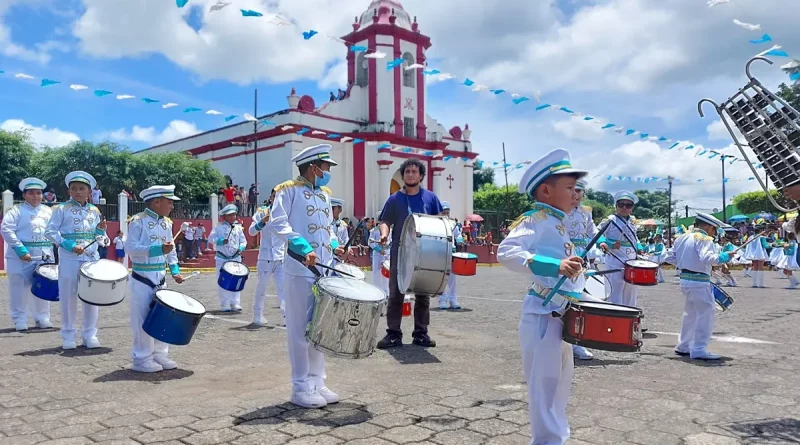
(324, 180)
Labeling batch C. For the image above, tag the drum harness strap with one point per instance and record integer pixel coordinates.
(147, 282)
(690, 275)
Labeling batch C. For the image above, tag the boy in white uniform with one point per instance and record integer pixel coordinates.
(302, 217)
(73, 226)
(448, 297)
(620, 238)
(23, 230)
(149, 245)
(270, 261)
(339, 226)
(229, 242)
(695, 253)
(539, 246)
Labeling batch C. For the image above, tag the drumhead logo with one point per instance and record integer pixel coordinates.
(354, 322)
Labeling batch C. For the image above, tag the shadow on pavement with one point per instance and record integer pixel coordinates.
(78, 352)
(412, 355)
(338, 414)
(599, 362)
(784, 430)
(127, 375)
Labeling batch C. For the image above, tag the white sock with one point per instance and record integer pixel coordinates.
(754, 276)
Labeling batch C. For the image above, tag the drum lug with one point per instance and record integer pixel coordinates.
(89, 282)
(579, 325)
(113, 285)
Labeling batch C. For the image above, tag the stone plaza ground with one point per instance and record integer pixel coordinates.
(232, 384)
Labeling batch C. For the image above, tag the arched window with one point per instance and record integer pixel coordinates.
(362, 73)
(409, 76)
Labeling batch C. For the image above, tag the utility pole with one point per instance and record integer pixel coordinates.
(505, 171)
(255, 143)
(724, 210)
(669, 212)
(687, 210)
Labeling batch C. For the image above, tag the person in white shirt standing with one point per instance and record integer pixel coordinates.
(119, 246)
(200, 238)
(229, 242)
(339, 226)
(270, 261)
(23, 230)
(188, 242)
(449, 297)
(379, 255)
(96, 195)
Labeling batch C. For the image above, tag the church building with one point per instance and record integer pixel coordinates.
(380, 122)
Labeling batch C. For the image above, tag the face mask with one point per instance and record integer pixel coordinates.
(324, 180)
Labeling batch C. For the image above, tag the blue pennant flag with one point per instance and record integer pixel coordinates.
(629, 132)
(702, 153)
(629, 179)
(250, 13)
(607, 126)
(303, 130)
(147, 100)
(620, 178)
(647, 180)
(566, 110)
(519, 100)
(191, 110)
(662, 138)
(689, 147)
(468, 82)
(734, 160)
(725, 180)
(673, 145)
(230, 118)
(48, 82)
(588, 118)
(101, 93)
(752, 178)
(776, 53)
(712, 155)
(467, 159)
(358, 48)
(793, 76)
(643, 135)
(393, 64)
(307, 35)
(608, 178)
(542, 107)
(430, 153)
(497, 92)
(181, 3)
(267, 122)
(764, 39)
(447, 158)
(334, 136)
(384, 146)
(760, 166)
(700, 180)
(358, 141)
(2, 72)
(506, 165)
(430, 72)
(407, 150)
(478, 164)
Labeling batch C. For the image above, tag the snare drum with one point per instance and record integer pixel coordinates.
(605, 326)
(45, 282)
(465, 264)
(723, 300)
(346, 317)
(641, 272)
(355, 271)
(102, 282)
(233, 276)
(596, 287)
(425, 254)
(173, 317)
(386, 268)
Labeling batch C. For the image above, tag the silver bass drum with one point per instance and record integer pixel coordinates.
(425, 254)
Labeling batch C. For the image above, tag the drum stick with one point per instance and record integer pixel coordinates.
(597, 273)
(192, 275)
(184, 226)
(311, 268)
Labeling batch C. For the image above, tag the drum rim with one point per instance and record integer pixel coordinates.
(178, 310)
(385, 298)
(467, 257)
(600, 311)
(90, 303)
(81, 273)
(654, 264)
(237, 262)
(603, 346)
(448, 268)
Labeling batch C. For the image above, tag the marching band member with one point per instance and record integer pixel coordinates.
(789, 260)
(229, 242)
(696, 254)
(339, 226)
(23, 230)
(149, 245)
(581, 230)
(659, 252)
(756, 252)
(270, 261)
(73, 226)
(539, 245)
(449, 294)
(302, 217)
(379, 255)
(619, 239)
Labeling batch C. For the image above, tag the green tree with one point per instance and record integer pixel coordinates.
(501, 199)
(652, 205)
(599, 210)
(195, 179)
(791, 93)
(16, 154)
(754, 202)
(604, 198)
(482, 176)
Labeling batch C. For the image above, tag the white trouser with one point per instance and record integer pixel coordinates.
(20, 276)
(68, 270)
(449, 294)
(226, 297)
(621, 292)
(308, 364)
(378, 280)
(698, 316)
(548, 367)
(267, 269)
(144, 347)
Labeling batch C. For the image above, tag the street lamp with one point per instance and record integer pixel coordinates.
(669, 212)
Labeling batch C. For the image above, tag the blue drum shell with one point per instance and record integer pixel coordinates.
(170, 325)
(44, 288)
(230, 282)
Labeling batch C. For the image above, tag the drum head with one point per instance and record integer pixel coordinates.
(608, 308)
(49, 271)
(642, 264)
(355, 271)
(465, 256)
(236, 268)
(596, 287)
(349, 289)
(409, 251)
(104, 270)
(180, 302)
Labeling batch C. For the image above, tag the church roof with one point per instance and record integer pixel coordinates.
(384, 9)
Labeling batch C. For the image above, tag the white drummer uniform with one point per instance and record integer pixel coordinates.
(581, 230)
(624, 232)
(537, 243)
(23, 230)
(270, 263)
(449, 295)
(302, 217)
(695, 254)
(147, 233)
(72, 225)
(339, 226)
(379, 255)
(232, 251)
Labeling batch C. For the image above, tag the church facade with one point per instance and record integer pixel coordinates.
(380, 122)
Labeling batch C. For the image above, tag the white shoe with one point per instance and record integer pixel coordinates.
(44, 324)
(329, 396)
(148, 366)
(582, 353)
(21, 326)
(308, 399)
(165, 363)
(237, 308)
(259, 321)
(442, 306)
(704, 355)
(69, 344)
(91, 343)
(225, 308)
(454, 304)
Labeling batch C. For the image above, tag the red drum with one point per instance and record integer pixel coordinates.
(604, 326)
(385, 268)
(641, 272)
(465, 264)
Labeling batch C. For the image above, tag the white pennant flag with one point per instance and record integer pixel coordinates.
(214, 112)
(124, 96)
(249, 117)
(169, 105)
(23, 76)
(375, 55)
(77, 87)
(286, 127)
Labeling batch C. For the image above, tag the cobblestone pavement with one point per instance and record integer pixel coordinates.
(232, 384)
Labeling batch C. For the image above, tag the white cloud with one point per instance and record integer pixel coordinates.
(577, 129)
(718, 132)
(42, 136)
(336, 77)
(176, 129)
(9, 48)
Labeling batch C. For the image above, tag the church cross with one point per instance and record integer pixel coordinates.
(450, 179)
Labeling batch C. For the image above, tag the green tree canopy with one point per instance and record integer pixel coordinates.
(599, 209)
(482, 176)
(501, 199)
(791, 93)
(16, 155)
(754, 202)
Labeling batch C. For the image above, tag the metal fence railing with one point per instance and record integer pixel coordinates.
(493, 221)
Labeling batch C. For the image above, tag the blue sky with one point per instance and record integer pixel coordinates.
(639, 64)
